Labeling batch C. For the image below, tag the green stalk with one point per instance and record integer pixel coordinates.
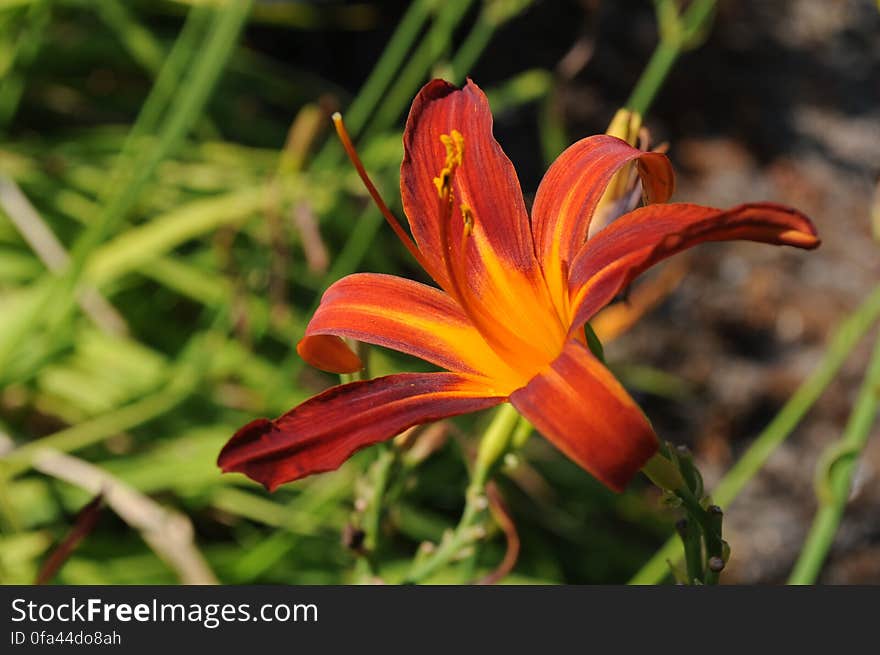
(472, 47)
(144, 48)
(166, 82)
(677, 34)
(184, 111)
(57, 302)
(381, 476)
(653, 77)
(693, 545)
(845, 338)
(373, 515)
(465, 534)
(27, 47)
(449, 15)
(492, 16)
(389, 63)
(838, 476)
(495, 442)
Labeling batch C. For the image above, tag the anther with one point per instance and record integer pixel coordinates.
(443, 182)
(454, 144)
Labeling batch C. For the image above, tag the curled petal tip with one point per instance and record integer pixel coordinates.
(231, 460)
(644, 237)
(798, 239)
(329, 353)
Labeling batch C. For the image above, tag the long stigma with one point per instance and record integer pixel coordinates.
(374, 193)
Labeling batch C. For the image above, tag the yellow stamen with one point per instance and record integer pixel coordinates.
(467, 215)
(454, 144)
(442, 182)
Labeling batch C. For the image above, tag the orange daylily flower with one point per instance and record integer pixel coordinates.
(507, 322)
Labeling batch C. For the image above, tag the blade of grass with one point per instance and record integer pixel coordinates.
(138, 40)
(492, 16)
(95, 430)
(435, 42)
(48, 248)
(835, 481)
(25, 50)
(381, 75)
(146, 50)
(138, 245)
(185, 109)
(678, 33)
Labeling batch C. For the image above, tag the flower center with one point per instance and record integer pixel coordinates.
(496, 302)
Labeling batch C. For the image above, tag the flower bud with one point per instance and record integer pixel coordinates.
(620, 196)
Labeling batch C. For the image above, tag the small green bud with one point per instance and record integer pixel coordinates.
(663, 473)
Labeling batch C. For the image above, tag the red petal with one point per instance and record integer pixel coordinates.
(406, 316)
(583, 410)
(329, 353)
(323, 432)
(635, 242)
(491, 269)
(571, 190)
(486, 180)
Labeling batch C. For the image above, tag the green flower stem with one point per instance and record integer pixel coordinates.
(678, 33)
(652, 78)
(496, 442)
(362, 350)
(693, 549)
(384, 467)
(836, 479)
(472, 47)
(505, 424)
(390, 61)
(845, 338)
(521, 434)
(382, 475)
(674, 472)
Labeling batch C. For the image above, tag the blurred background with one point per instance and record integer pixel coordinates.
(173, 203)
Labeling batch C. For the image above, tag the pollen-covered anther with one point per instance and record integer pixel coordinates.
(443, 183)
(454, 144)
